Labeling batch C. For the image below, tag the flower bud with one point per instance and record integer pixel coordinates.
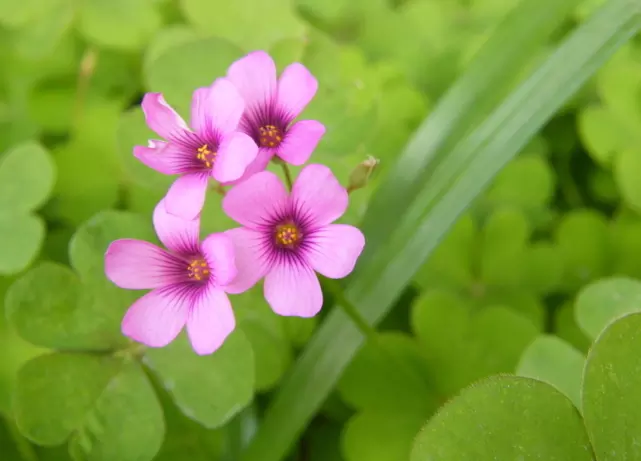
(359, 177)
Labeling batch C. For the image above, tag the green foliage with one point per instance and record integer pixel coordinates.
(516, 417)
(209, 389)
(555, 362)
(502, 227)
(600, 303)
(610, 391)
(27, 175)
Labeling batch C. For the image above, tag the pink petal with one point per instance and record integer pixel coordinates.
(156, 319)
(318, 193)
(296, 88)
(162, 157)
(335, 249)
(255, 78)
(256, 200)
(251, 261)
(218, 250)
(217, 109)
(235, 154)
(160, 116)
(138, 265)
(293, 289)
(210, 321)
(262, 160)
(186, 196)
(300, 141)
(179, 235)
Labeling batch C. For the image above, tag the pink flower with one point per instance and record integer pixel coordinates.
(271, 106)
(212, 149)
(286, 238)
(188, 284)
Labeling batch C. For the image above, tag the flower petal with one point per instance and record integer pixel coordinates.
(296, 88)
(335, 249)
(139, 265)
(259, 164)
(300, 141)
(235, 154)
(255, 78)
(160, 116)
(186, 196)
(162, 157)
(293, 289)
(217, 109)
(318, 194)
(210, 321)
(252, 263)
(156, 319)
(179, 235)
(253, 202)
(218, 250)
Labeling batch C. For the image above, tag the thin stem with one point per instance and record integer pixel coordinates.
(365, 328)
(288, 175)
(87, 68)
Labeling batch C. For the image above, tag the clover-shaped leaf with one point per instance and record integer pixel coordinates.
(463, 343)
(210, 389)
(512, 418)
(611, 399)
(104, 404)
(56, 307)
(27, 174)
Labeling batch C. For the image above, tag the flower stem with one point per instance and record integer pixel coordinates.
(87, 68)
(288, 175)
(337, 291)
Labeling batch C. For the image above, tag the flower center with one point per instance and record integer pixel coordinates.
(288, 235)
(206, 156)
(198, 270)
(270, 136)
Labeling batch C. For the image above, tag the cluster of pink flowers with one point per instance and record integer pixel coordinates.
(238, 124)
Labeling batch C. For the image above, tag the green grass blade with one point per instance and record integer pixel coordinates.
(459, 177)
(489, 78)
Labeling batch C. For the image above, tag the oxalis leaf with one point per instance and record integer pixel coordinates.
(57, 307)
(394, 257)
(611, 399)
(505, 417)
(105, 404)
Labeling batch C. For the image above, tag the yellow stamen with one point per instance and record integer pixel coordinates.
(270, 136)
(198, 270)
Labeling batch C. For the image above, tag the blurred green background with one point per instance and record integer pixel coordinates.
(564, 213)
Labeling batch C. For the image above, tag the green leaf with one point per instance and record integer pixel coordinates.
(451, 263)
(239, 22)
(625, 244)
(527, 182)
(181, 69)
(505, 237)
(602, 133)
(210, 389)
(611, 400)
(27, 175)
(167, 38)
(566, 328)
(21, 237)
(388, 374)
(602, 302)
(543, 267)
(397, 247)
(375, 435)
(121, 24)
(520, 419)
(55, 307)
(107, 406)
(552, 360)
(582, 240)
(463, 344)
(627, 166)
